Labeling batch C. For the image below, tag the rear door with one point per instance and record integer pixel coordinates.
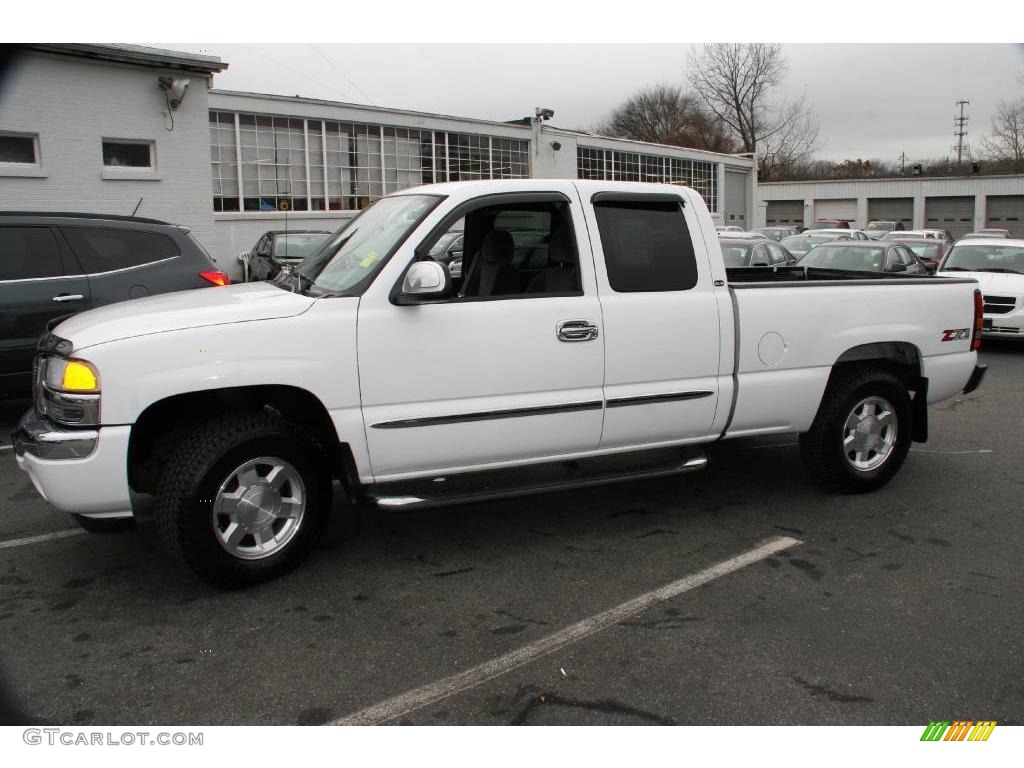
(38, 283)
(661, 319)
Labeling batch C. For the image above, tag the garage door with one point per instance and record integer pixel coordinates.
(845, 210)
(785, 213)
(1005, 212)
(892, 209)
(953, 213)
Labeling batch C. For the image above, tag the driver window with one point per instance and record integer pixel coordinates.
(514, 250)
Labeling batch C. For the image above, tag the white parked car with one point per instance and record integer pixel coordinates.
(728, 228)
(595, 336)
(743, 235)
(998, 266)
(852, 234)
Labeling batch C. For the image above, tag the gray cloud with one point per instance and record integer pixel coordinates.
(873, 100)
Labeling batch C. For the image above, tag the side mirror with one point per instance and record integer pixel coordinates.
(898, 267)
(425, 281)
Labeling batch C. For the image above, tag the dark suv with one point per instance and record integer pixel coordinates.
(56, 264)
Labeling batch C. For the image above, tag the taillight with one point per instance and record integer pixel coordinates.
(216, 277)
(979, 319)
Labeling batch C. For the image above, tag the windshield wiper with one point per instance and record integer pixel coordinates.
(1001, 270)
(957, 269)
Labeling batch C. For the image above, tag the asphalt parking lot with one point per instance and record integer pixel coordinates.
(898, 607)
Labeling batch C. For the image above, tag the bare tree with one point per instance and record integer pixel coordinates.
(1006, 142)
(666, 114)
(736, 82)
(792, 145)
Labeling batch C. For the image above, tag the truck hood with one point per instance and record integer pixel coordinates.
(180, 310)
(994, 282)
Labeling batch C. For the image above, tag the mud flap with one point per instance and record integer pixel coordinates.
(919, 411)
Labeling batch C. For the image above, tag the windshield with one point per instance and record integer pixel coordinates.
(357, 249)
(924, 250)
(839, 256)
(772, 234)
(885, 226)
(736, 254)
(985, 258)
(298, 245)
(825, 225)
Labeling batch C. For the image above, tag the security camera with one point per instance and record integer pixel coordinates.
(175, 88)
(556, 145)
(544, 113)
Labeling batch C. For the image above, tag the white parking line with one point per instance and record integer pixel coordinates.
(434, 692)
(954, 453)
(6, 447)
(41, 537)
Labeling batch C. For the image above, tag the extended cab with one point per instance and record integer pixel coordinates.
(595, 335)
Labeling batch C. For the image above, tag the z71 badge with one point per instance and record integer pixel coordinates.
(957, 334)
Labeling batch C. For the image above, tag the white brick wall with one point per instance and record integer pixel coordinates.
(73, 103)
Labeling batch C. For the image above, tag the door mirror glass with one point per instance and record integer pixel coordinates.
(425, 280)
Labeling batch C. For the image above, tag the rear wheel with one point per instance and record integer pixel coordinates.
(862, 432)
(244, 499)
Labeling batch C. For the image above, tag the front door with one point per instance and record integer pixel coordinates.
(493, 375)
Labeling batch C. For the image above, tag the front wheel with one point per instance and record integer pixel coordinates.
(244, 499)
(862, 432)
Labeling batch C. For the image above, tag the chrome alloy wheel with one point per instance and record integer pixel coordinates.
(259, 508)
(869, 434)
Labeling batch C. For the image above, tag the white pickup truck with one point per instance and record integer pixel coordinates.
(594, 336)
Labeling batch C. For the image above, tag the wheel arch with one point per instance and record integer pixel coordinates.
(901, 358)
(164, 423)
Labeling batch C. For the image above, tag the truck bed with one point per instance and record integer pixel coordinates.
(789, 337)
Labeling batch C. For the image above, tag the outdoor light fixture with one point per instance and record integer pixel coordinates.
(174, 89)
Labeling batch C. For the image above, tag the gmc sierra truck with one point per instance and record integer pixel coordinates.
(593, 336)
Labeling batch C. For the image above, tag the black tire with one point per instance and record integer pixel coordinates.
(821, 447)
(105, 525)
(194, 474)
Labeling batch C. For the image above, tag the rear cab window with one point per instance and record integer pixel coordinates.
(105, 250)
(647, 245)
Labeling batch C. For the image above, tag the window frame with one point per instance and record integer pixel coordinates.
(646, 197)
(422, 249)
(34, 169)
(115, 172)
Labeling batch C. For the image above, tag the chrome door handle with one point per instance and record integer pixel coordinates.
(576, 330)
(68, 297)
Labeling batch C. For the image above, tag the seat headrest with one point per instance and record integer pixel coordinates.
(560, 247)
(497, 247)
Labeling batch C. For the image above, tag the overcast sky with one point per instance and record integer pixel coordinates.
(873, 101)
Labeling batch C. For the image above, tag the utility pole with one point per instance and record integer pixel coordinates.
(903, 163)
(960, 123)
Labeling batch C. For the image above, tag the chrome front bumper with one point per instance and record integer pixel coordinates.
(40, 437)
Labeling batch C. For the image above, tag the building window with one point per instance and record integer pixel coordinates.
(19, 148)
(614, 165)
(300, 164)
(126, 153)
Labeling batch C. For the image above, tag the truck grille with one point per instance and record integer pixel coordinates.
(999, 305)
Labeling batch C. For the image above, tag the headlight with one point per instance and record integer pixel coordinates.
(69, 391)
(71, 375)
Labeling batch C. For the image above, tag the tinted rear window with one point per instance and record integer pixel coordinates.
(103, 250)
(647, 246)
(28, 252)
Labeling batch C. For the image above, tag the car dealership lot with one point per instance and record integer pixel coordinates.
(897, 607)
